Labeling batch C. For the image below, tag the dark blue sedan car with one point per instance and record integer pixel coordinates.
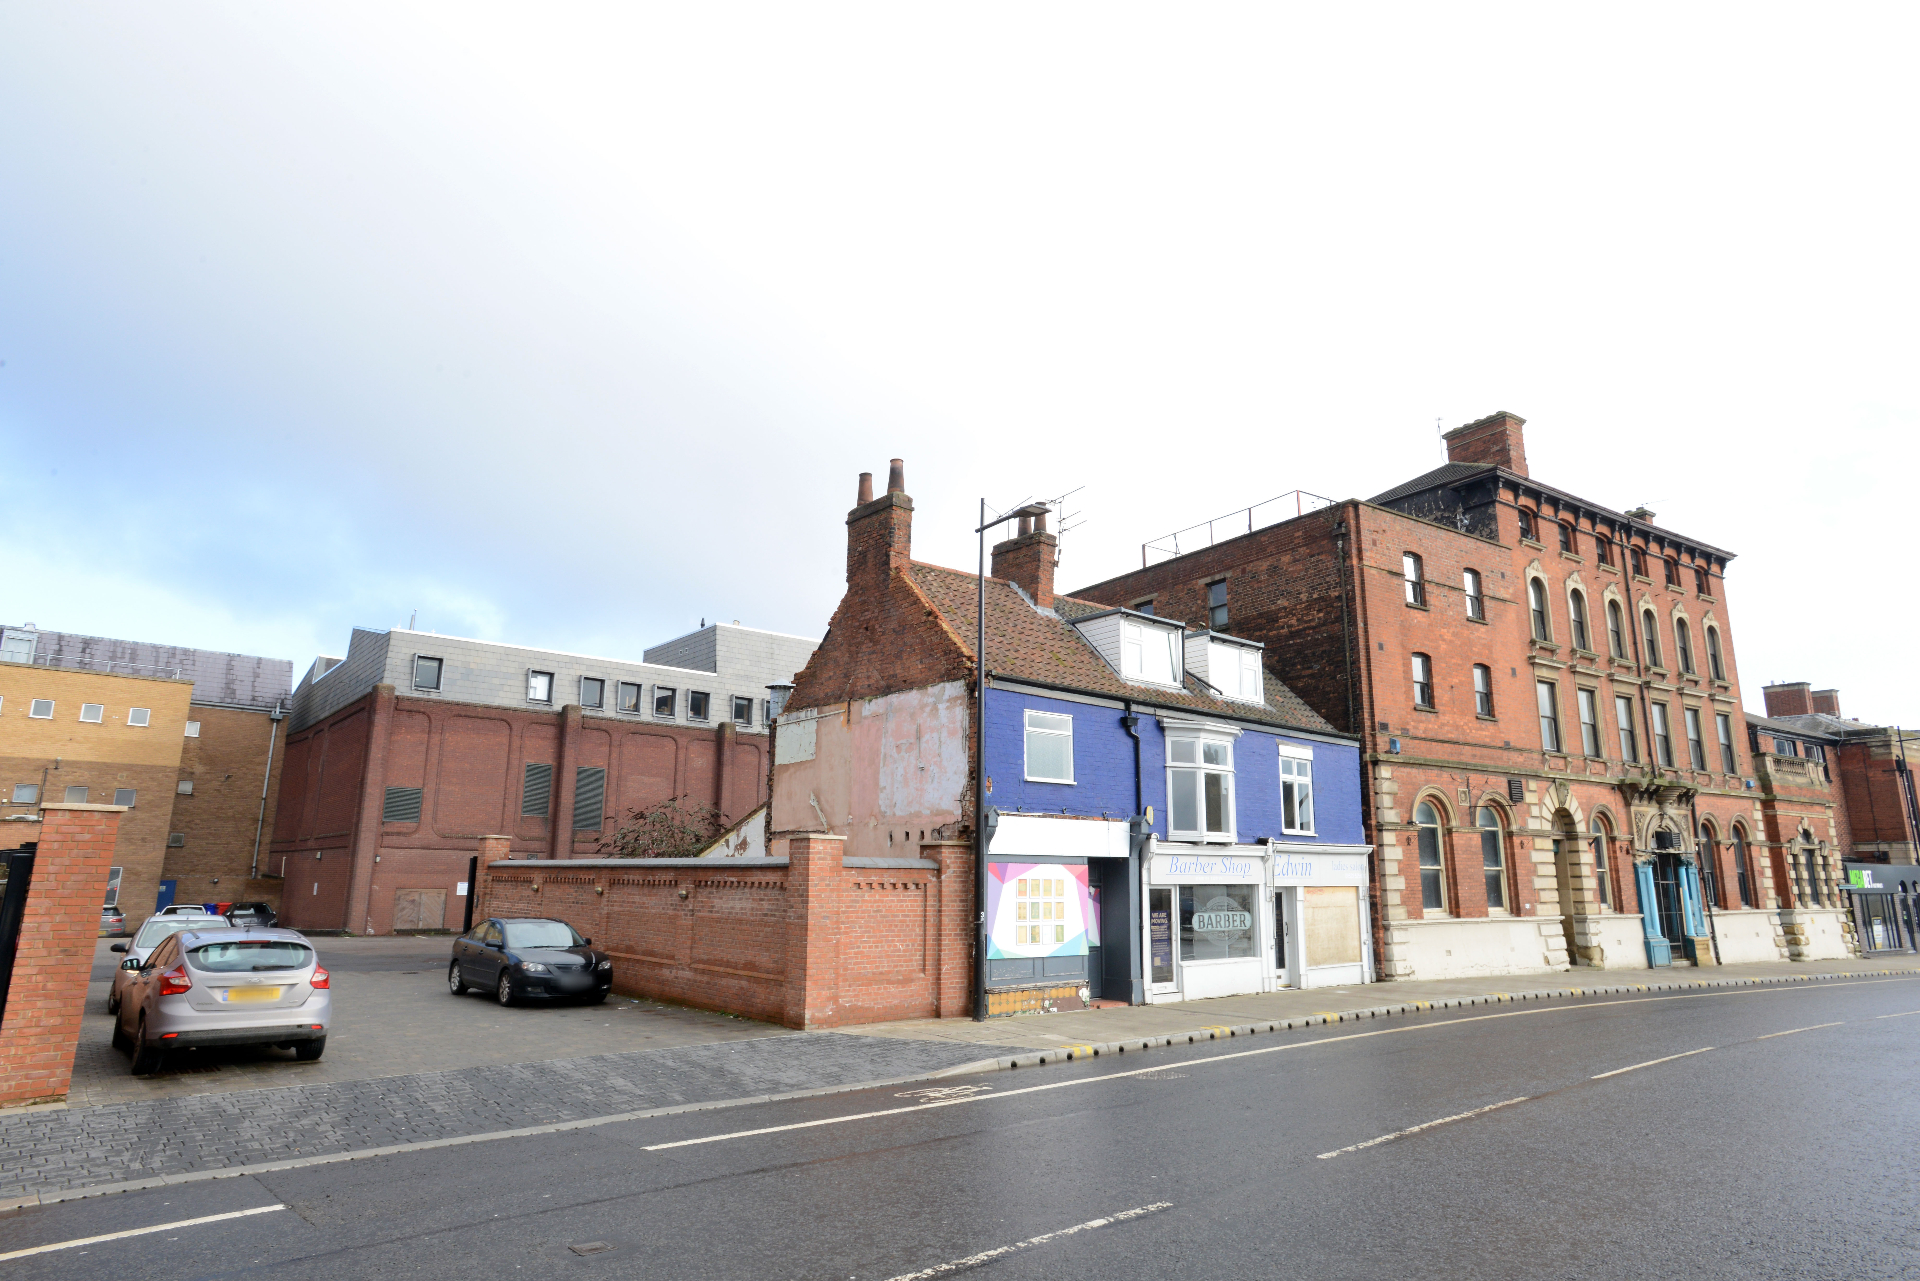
(519, 958)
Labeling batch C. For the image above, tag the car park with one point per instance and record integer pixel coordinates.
(529, 958)
(113, 922)
(153, 931)
(224, 986)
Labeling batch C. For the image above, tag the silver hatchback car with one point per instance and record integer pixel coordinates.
(225, 986)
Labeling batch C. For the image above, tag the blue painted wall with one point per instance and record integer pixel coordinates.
(1103, 771)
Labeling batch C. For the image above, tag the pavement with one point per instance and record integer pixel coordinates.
(1750, 1130)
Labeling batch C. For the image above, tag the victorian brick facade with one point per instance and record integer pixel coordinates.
(1549, 701)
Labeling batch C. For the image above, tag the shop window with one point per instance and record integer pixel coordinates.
(1742, 876)
(1493, 858)
(627, 697)
(139, 717)
(1476, 602)
(426, 672)
(1416, 585)
(1616, 630)
(540, 687)
(665, 699)
(593, 693)
(1422, 681)
(1598, 844)
(1662, 736)
(1482, 689)
(1216, 922)
(1589, 704)
(1683, 645)
(1160, 936)
(1217, 606)
(1537, 598)
(1652, 628)
(1296, 794)
(742, 710)
(1696, 743)
(1200, 788)
(1432, 840)
(1728, 761)
(1715, 666)
(1549, 716)
(1577, 619)
(1049, 748)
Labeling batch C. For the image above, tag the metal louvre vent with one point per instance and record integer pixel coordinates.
(589, 797)
(1517, 791)
(536, 793)
(403, 805)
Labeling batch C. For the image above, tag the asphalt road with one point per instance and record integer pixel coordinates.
(1770, 1133)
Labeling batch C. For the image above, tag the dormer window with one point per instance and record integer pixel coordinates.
(1150, 654)
(1231, 667)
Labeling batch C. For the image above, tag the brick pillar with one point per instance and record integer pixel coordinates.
(55, 958)
(492, 849)
(373, 796)
(569, 760)
(952, 944)
(723, 735)
(814, 876)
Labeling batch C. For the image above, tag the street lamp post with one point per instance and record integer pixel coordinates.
(980, 758)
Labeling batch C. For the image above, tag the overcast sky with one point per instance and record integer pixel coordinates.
(570, 326)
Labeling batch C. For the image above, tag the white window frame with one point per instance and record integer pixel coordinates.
(1472, 591)
(114, 875)
(1296, 776)
(40, 709)
(1246, 663)
(81, 788)
(193, 729)
(1134, 638)
(32, 796)
(139, 717)
(1587, 701)
(93, 713)
(1546, 697)
(1202, 738)
(1026, 754)
(1413, 573)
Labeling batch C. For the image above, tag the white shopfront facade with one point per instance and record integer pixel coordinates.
(1224, 920)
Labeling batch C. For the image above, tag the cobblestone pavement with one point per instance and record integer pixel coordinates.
(44, 1150)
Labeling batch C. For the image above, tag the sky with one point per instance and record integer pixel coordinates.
(573, 325)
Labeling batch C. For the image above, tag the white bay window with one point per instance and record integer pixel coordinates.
(1200, 789)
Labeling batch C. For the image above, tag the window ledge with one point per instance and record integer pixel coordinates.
(1642, 578)
(1711, 600)
(1418, 605)
(1057, 782)
(1478, 618)
(1431, 711)
(1482, 716)
(1533, 542)
(1575, 557)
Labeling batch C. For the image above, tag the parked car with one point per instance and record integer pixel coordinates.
(113, 922)
(260, 915)
(522, 957)
(183, 909)
(153, 931)
(225, 986)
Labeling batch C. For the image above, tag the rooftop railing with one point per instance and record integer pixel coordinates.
(1297, 502)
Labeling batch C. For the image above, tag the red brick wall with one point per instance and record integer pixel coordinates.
(1876, 805)
(811, 944)
(51, 968)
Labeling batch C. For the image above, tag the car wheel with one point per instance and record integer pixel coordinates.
(598, 998)
(121, 1041)
(308, 1051)
(146, 1058)
(113, 1003)
(455, 984)
(504, 993)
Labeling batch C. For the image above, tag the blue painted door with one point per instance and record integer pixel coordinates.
(1659, 951)
(165, 898)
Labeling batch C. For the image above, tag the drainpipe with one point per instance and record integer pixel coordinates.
(1136, 866)
(260, 823)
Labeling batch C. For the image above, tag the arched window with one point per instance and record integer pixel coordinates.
(1537, 595)
(1433, 890)
(1810, 860)
(1651, 626)
(1422, 681)
(1616, 630)
(1683, 645)
(1601, 878)
(1715, 666)
(1740, 874)
(1476, 603)
(1493, 855)
(1709, 864)
(1416, 579)
(1577, 617)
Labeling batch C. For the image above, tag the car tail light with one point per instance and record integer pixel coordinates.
(320, 978)
(175, 981)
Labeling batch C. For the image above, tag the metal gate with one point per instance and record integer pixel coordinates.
(18, 866)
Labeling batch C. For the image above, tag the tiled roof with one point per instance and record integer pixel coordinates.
(1447, 474)
(1027, 644)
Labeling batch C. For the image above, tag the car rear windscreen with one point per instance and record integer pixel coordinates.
(541, 934)
(248, 956)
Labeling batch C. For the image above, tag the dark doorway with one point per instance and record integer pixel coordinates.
(1667, 895)
(1280, 938)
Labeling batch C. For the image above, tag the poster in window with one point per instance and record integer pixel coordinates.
(1216, 922)
(1036, 909)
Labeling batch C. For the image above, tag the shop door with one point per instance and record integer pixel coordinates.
(1096, 953)
(1281, 939)
(1667, 894)
(1160, 975)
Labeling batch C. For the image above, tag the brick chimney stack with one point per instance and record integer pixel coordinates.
(880, 530)
(1495, 439)
(1791, 698)
(1827, 701)
(1029, 558)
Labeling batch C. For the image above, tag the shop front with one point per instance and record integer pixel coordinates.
(1058, 911)
(1230, 920)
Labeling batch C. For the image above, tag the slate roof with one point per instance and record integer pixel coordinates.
(1446, 474)
(1027, 643)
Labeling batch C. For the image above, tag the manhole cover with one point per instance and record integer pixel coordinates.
(591, 1247)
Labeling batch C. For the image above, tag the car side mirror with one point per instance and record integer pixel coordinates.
(118, 947)
(586, 942)
(131, 963)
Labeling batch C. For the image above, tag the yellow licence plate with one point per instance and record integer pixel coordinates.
(253, 994)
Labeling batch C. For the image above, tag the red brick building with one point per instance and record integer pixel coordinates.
(1548, 698)
(1867, 765)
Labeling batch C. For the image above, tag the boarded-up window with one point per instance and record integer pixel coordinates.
(419, 909)
(1332, 924)
(403, 805)
(536, 794)
(589, 797)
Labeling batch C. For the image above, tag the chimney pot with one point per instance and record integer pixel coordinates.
(1026, 526)
(1040, 522)
(896, 477)
(866, 489)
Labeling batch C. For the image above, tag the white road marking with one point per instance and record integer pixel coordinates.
(1415, 1129)
(988, 1256)
(1901, 1015)
(139, 1232)
(1790, 1031)
(1635, 1067)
